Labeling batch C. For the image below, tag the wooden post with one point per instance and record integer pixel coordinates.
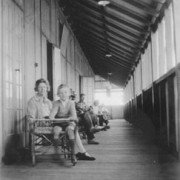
(177, 110)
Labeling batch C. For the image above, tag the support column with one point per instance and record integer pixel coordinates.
(1, 75)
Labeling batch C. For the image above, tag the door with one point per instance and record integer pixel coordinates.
(13, 71)
(50, 69)
(56, 70)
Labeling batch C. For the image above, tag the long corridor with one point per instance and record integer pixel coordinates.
(123, 154)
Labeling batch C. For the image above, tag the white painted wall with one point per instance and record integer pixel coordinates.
(1, 103)
(162, 53)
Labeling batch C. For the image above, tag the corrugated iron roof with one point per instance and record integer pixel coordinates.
(121, 29)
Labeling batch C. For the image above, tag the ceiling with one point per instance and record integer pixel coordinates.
(121, 28)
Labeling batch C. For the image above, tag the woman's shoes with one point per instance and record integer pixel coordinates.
(83, 156)
(92, 142)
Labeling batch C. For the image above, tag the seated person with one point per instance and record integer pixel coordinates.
(85, 120)
(101, 113)
(39, 106)
(105, 117)
(95, 120)
(72, 97)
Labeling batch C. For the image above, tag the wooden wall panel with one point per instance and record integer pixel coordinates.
(44, 57)
(163, 115)
(29, 49)
(63, 70)
(162, 49)
(147, 105)
(77, 90)
(37, 38)
(56, 71)
(139, 102)
(157, 115)
(146, 69)
(13, 70)
(155, 55)
(64, 40)
(169, 36)
(53, 22)
(69, 75)
(171, 109)
(176, 7)
(72, 51)
(1, 84)
(46, 17)
(137, 78)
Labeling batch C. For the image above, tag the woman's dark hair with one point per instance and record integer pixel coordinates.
(42, 81)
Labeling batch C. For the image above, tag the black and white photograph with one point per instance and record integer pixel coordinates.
(89, 90)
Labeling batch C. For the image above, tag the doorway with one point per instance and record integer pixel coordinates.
(50, 68)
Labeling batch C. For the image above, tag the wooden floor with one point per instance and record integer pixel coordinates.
(123, 154)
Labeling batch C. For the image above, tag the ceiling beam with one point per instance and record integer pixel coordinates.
(118, 8)
(88, 28)
(99, 45)
(118, 59)
(84, 31)
(95, 10)
(115, 30)
(134, 39)
(98, 21)
(117, 48)
(142, 6)
(110, 39)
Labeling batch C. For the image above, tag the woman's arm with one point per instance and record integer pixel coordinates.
(31, 110)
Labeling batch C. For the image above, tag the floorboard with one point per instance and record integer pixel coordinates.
(123, 154)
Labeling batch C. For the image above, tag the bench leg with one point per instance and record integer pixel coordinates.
(33, 156)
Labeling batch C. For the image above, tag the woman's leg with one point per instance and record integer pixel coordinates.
(79, 143)
(82, 154)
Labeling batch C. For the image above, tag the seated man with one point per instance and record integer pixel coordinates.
(85, 120)
(105, 117)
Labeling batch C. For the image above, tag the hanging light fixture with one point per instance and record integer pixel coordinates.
(103, 3)
(108, 55)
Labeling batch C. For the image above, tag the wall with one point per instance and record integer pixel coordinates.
(73, 62)
(116, 112)
(26, 27)
(1, 102)
(152, 93)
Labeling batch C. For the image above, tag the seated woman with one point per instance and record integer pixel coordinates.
(39, 106)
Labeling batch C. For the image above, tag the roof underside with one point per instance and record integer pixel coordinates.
(122, 29)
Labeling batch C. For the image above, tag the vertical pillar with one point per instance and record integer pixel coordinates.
(178, 110)
(1, 75)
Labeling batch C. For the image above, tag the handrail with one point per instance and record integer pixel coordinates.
(52, 120)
